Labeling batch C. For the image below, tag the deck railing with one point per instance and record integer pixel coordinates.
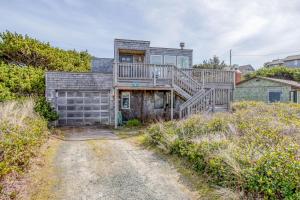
(129, 72)
(211, 76)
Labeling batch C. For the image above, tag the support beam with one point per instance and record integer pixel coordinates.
(172, 104)
(116, 106)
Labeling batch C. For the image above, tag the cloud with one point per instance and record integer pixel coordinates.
(210, 27)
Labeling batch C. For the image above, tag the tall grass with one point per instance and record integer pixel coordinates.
(253, 151)
(22, 131)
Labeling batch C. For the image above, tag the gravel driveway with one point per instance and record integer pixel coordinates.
(112, 168)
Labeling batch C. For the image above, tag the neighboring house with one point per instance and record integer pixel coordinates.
(273, 63)
(245, 69)
(290, 61)
(268, 90)
(143, 82)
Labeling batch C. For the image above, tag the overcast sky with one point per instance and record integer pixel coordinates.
(252, 28)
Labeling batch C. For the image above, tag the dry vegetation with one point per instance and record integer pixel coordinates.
(253, 151)
(22, 131)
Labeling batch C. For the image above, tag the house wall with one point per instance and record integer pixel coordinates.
(131, 44)
(102, 65)
(257, 90)
(292, 63)
(142, 106)
(56, 81)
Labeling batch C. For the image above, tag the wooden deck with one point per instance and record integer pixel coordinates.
(202, 89)
(134, 75)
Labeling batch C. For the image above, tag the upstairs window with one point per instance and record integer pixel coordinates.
(170, 60)
(125, 100)
(156, 59)
(183, 62)
(126, 58)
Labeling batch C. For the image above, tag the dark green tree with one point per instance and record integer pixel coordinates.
(212, 63)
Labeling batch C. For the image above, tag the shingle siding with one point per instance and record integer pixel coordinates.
(64, 81)
(102, 65)
(131, 44)
(258, 90)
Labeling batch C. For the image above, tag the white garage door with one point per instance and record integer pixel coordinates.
(83, 107)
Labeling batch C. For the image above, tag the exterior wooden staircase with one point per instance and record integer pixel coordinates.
(208, 91)
(198, 99)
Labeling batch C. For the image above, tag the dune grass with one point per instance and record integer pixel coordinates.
(253, 151)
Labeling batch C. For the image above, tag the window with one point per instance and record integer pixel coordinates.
(156, 59)
(170, 60)
(125, 100)
(159, 100)
(183, 62)
(274, 96)
(126, 58)
(293, 96)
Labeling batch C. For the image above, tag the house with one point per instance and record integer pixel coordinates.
(273, 63)
(140, 81)
(268, 90)
(289, 61)
(245, 69)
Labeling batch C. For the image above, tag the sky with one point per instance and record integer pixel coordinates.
(257, 31)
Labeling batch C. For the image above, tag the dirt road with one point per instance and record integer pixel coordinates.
(112, 168)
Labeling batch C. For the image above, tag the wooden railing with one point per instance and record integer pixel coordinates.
(213, 76)
(205, 102)
(185, 82)
(144, 72)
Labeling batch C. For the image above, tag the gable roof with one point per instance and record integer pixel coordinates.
(284, 81)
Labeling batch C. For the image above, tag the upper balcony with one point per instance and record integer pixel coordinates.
(140, 75)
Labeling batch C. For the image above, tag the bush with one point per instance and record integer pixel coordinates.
(277, 72)
(26, 51)
(22, 132)
(133, 123)
(255, 149)
(45, 110)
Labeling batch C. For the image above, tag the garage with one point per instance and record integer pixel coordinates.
(83, 107)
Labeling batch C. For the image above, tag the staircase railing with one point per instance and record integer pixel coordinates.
(202, 103)
(185, 82)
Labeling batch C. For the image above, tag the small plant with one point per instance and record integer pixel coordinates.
(133, 123)
(45, 110)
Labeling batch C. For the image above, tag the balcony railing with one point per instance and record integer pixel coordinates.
(149, 75)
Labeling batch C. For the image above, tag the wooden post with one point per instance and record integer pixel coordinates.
(228, 99)
(172, 104)
(116, 107)
(154, 77)
(203, 71)
(214, 100)
(115, 73)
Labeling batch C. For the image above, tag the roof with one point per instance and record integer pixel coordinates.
(294, 57)
(103, 65)
(275, 62)
(284, 81)
(246, 67)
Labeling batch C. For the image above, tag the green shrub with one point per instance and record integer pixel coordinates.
(255, 149)
(24, 50)
(22, 132)
(133, 123)
(45, 110)
(277, 72)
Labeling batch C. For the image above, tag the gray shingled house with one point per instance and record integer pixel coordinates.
(268, 90)
(140, 81)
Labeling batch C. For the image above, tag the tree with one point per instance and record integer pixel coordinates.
(212, 63)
